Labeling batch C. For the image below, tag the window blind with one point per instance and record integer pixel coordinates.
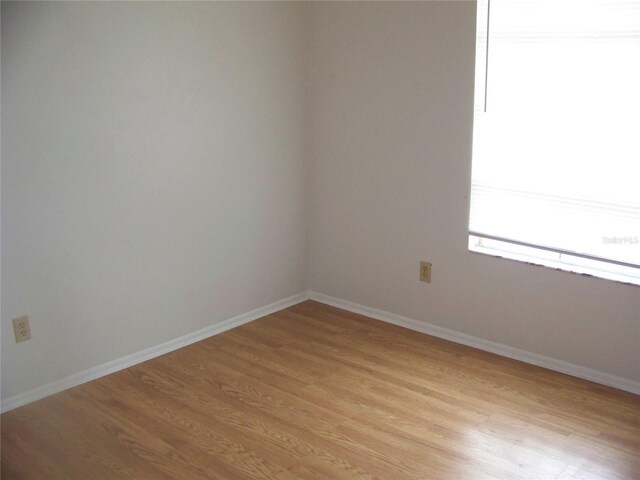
(556, 154)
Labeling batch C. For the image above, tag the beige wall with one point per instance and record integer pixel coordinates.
(152, 174)
(390, 102)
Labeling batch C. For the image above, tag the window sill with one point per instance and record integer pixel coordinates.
(533, 256)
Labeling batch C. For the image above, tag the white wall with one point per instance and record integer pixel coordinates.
(390, 118)
(156, 166)
(152, 174)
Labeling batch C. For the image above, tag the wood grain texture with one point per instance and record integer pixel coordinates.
(314, 392)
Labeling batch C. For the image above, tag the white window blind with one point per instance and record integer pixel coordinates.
(556, 148)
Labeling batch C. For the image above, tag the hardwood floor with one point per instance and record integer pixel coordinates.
(313, 392)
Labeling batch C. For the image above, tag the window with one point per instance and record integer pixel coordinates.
(556, 147)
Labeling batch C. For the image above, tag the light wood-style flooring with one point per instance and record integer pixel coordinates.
(314, 392)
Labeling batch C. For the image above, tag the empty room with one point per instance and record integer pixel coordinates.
(320, 240)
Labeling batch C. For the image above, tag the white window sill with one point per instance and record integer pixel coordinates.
(564, 262)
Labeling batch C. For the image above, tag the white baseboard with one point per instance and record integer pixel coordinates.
(482, 344)
(441, 332)
(147, 354)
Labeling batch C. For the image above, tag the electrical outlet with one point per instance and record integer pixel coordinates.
(21, 328)
(425, 271)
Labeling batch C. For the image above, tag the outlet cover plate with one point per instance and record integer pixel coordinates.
(425, 271)
(21, 328)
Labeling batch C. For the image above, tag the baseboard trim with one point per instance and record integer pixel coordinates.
(482, 344)
(147, 354)
(423, 327)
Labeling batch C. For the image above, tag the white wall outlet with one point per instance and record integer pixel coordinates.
(21, 328)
